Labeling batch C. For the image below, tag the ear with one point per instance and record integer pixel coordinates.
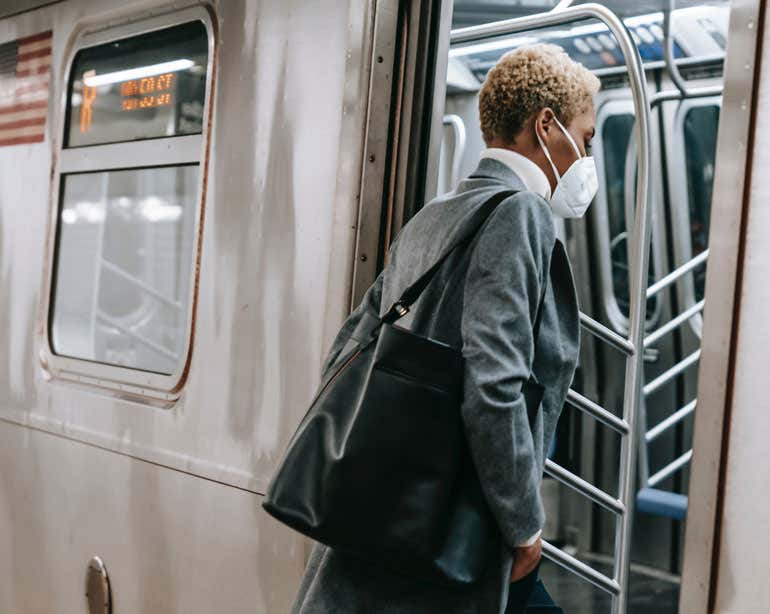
(544, 122)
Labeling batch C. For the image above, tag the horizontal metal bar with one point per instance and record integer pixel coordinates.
(138, 336)
(173, 150)
(677, 273)
(597, 411)
(605, 334)
(671, 373)
(674, 323)
(570, 563)
(530, 22)
(666, 424)
(121, 272)
(699, 92)
(670, 469)
(658, 64)
(585, 488)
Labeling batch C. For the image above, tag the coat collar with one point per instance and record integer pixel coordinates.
(489, 168)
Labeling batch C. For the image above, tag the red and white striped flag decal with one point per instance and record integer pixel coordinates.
(25, 77)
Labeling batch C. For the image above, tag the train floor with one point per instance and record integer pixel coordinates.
(650, 593)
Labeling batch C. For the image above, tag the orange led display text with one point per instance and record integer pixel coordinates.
(146, 93)
(86, 108)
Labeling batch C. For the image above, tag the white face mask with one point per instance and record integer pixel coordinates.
(577, 187)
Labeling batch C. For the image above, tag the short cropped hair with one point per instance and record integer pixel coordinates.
(527, 80)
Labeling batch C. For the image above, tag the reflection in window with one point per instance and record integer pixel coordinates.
(151, 85)
(123, 261)
(700, 146)
(616, 134)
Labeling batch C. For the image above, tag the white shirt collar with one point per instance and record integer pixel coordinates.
(531, 175)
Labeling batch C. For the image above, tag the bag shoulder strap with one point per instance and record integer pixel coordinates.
(540, 304)
(401, 307)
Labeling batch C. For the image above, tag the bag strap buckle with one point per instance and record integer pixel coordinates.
(398, 310)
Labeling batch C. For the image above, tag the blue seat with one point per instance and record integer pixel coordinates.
(662, 503)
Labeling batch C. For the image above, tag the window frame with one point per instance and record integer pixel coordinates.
(601, 223)
(679, 193)
(127, 155)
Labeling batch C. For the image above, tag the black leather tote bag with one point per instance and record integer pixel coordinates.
(379, 467)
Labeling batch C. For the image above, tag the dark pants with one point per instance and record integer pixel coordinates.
(528, 596)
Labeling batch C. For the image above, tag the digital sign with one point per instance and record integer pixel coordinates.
(148, 86)
(146, 93)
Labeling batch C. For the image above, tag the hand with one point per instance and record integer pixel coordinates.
(526, 559)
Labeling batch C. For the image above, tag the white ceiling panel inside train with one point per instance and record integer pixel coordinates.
(699, 32)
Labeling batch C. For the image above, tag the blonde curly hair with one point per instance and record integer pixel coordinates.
(529, 79)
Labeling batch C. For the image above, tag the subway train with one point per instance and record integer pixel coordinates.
(194, 194)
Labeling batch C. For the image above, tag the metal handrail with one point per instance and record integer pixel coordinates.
(674, 323)
(121, 272)
(662, 426)
(597, 495)
(678, 272)
(673, 69)
(570, 563)
(458, 127)
(671, 373)
(606, 334)
(135, 335)
(597, 411)
(699, 92)
(670, 469)
(618, 586)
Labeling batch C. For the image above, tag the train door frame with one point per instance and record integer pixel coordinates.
(729, 211)
(408, 75)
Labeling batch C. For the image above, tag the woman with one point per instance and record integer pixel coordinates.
(537, 118)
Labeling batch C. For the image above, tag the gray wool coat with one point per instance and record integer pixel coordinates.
(484, 300)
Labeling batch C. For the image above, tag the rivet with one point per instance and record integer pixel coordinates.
(364, 258)
(371, 158)
(379, 59)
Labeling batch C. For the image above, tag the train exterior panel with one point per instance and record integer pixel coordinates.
(170, 497)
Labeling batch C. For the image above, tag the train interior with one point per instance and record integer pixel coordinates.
(684, 132)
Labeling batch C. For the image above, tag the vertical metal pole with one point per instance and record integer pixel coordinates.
(640, 250)
(458, 149)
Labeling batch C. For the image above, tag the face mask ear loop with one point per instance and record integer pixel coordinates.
(569, 137)
(547, 154)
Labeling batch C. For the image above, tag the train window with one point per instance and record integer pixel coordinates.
(129, 178)
(615, 137)
(123, 268)
(146, 86)
(700, 141)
